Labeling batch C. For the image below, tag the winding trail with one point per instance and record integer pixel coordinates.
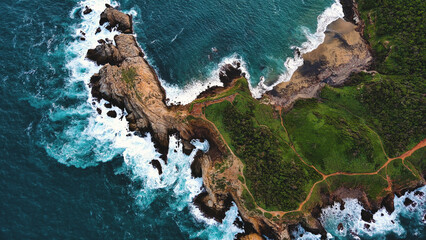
(197, 110)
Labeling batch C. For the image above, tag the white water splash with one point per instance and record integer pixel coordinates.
(103, 137)
(383, 224)
(189, 92)
(330, 15)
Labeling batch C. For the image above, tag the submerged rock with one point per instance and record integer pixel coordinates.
(87, 10)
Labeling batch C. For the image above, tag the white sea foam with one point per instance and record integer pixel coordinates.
(103, 137)
(383, 224)
(334, 12)
(301, 234)
(189, 93)
(215, 231)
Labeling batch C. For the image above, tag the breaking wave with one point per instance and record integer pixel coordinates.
(91, 137)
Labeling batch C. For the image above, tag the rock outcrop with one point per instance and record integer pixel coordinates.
(343, 52)
(129, 82)
(115, 18)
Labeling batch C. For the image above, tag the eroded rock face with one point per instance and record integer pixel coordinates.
(230, 72)
(105, 53)
(115, 18)
(343, 52)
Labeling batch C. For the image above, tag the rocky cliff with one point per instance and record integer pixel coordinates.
(129, 82)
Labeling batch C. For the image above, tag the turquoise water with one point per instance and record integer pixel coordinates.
(68, 173)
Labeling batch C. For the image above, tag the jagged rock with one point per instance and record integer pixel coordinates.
(366, 216)
(157, 165)
(127, 46)
(230, 72)
(115, 18)
(87, 10)
(98, 30)
(104, 53)
(340, 227)
(408, 202)
(388, 203)
(112, 114)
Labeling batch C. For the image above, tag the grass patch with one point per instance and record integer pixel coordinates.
(418, 161)
(373, 185)
(275, 176)
(332, 139)
(128, 75)
(399, 174)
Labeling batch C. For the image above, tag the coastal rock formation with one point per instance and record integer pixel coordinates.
(127, 80)
(343, 52)
(115, 18)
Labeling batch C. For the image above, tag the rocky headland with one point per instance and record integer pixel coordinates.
(129, 82)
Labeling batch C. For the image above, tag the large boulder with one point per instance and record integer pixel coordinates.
(115, 18)
(105, 53)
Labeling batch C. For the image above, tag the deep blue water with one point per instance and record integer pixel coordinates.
(68, 173)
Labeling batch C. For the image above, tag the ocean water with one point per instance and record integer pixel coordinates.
(69, 173)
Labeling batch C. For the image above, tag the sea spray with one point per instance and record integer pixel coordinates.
(189, 92)
(93, 137)
(383, 224)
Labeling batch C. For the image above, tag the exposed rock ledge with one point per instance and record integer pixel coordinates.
(343, 52)
(129, 82)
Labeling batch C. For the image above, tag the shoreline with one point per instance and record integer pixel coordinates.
(141, 116)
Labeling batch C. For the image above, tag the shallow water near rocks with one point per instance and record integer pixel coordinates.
(68, 172)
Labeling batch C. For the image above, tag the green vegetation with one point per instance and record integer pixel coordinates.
(400, 174)
(274, 174)
(396, 30)
(128, 76)
(332, 139)
(353, 129)
(267, 215)
(418, 160)
(373, 185)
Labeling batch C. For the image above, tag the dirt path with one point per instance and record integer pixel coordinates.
(197, 110)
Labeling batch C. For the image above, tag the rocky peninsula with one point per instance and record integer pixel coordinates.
(129, 82)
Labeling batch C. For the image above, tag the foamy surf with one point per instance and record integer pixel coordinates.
(96, 137)
(331, 14)
(189, 92)
(383, 223)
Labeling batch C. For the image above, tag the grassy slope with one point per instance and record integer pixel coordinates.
(275, 175)
(343, 131)
(333, 139)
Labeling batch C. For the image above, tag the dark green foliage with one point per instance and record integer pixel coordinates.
(275, 176)
(399, 106)
(396, 30)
